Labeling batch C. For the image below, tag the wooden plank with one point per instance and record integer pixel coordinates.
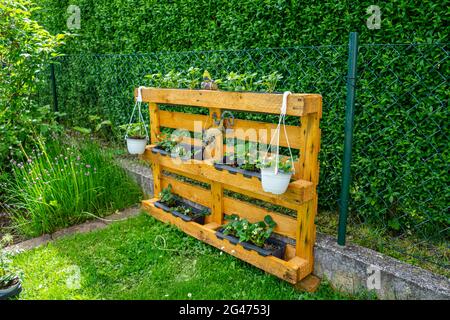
(291, 271)
(216, 203)
(182, 120)
(154, 123)
(262, 132)
(309, 284)
(298, 104)
(305, 226)
(298, 191)
(286, 226)
(216, 148)
(188, 191)
(310, 150)
(154, 132)
(156, 170)
(309, 170)
(247, 130)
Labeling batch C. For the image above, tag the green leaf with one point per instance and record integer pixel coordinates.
(82, 130)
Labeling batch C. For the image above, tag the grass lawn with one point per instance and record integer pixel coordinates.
(141, 258)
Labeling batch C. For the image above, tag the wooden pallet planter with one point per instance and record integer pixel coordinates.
(301, 196)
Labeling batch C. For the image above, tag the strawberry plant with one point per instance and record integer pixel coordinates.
(256, 233)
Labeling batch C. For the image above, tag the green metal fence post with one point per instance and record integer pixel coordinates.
(53, 86)
(349, 112)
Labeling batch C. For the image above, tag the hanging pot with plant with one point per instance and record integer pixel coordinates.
(136, 133)
(276, 173)
(276, 178)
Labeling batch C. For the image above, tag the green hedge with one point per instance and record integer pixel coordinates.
(401, 156)
(130, 26)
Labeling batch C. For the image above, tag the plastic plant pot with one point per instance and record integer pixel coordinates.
(233, 170)
(274, 183)
(11, 291)
(197, 155)
(136, 145)
(198, 216)
(276, 247)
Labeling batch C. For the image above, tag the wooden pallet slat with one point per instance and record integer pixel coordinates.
(286, 225)
(298, 104)
(298, 191)
(247, 130)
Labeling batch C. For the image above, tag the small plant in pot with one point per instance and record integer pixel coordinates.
(10, 285)
(136, 138)
(275, 177)
(253, 236)
(241, 161)
(174, 204)
(171, 145)
(166, 143)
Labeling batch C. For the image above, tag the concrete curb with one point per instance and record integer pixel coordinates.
(351, 268)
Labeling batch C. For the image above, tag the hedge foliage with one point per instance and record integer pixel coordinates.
(132, 26)
(401, 156)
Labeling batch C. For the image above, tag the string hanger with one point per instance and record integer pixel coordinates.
(138, 105)
(281, 120)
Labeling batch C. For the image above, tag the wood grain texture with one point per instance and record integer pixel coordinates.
(291, 271)
(298, 104)
(216, 203)
(297, 193)
(247, 130)
(286, 225)
(154, 123)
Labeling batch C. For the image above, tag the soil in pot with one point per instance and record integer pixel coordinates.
(272, 246)
(233, 167)
(197, 153)
(184, 211)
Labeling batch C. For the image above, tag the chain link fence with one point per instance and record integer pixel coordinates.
(400, 183)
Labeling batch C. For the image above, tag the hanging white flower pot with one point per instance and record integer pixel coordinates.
(136, 145)
(276, 183)
(275, 173)
(136, 140)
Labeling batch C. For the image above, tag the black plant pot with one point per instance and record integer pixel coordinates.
(277, 250)
(196, 156)
(233, 170)
(11, 291)
(198, 216)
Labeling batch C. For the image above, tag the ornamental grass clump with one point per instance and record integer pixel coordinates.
(61, 185)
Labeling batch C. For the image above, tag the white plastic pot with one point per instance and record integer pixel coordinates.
(274, 183)
(136, 146)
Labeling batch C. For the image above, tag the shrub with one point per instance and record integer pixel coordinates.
(148, 26)
(60, 185)
(25, 47)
